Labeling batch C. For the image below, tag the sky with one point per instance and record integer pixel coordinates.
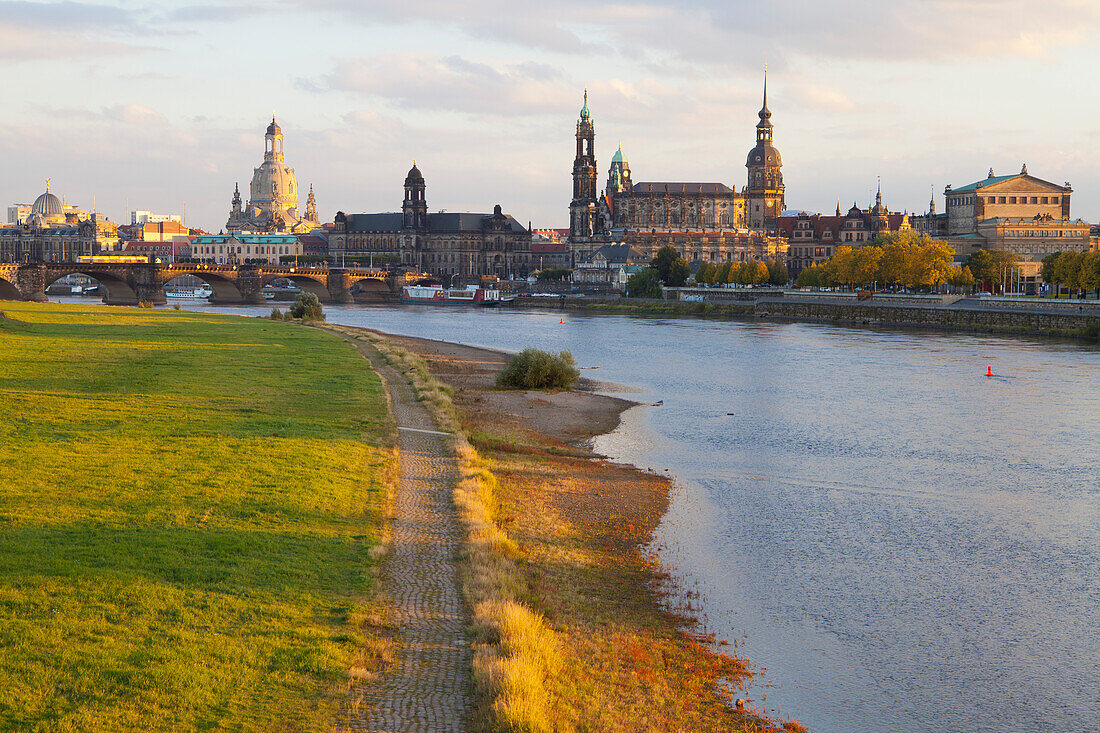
(162, 106)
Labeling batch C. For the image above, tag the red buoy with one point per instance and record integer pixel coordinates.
(989, 371)
(562, 321)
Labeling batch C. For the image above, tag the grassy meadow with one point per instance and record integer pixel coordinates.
(188, 508)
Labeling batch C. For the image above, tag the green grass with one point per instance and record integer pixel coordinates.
(188, 505)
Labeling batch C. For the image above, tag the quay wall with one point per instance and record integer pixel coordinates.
(1031, 321)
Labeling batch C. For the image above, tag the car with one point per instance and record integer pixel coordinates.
(984, 292)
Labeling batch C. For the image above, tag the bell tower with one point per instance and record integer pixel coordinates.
(765, 193)
(582, 209)
(415, 207)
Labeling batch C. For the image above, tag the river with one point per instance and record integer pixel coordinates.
(903, 542)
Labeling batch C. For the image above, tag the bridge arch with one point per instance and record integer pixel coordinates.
(117, 291)
(308, 282)
(224, 289)
(8, 289)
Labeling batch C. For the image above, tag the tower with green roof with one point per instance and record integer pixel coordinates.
(583, 221)
(618, 176)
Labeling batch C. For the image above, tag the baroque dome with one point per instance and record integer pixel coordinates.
(49, 206)
(764, 154)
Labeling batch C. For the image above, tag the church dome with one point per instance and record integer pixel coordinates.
(273, 128)
(618, 157)
(415, 176)
(764, 154)
(49, 206)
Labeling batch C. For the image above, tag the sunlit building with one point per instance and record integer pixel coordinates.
(273, 195)
(54, 232)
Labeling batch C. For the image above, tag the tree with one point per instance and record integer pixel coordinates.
(307, 307)
(666, 256)
(961, 277)
(723, 274)
(735, 273)
(678, 273)
(932, 264)
(705, 274)
(812, 277)
(759, 273)
(554, 273)
(644, 284)
(777, 272)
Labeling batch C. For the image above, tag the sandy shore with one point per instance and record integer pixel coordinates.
(583, 522)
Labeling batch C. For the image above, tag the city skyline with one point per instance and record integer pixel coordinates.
(154, 105)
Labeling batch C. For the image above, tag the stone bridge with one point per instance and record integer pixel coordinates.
(133, 283)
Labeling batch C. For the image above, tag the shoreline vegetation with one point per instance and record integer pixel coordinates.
(577, 628)
(192, 507)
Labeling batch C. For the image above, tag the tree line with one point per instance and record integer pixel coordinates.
(902, 259)
(670, 269)
(1078, 271)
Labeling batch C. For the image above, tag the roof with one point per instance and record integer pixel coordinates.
(618, 254)
(983, 183)
(244, 238)
(389, 222)
(618, 157)
(680, 188)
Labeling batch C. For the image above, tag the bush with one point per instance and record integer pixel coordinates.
(307, 307)
(177, 307)
(277, 315)
(537, 369)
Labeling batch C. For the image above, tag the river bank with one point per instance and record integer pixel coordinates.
(632, 659)
(1029, 319)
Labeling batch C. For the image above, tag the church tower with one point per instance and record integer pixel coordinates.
(618, 176)
(415, 207)
(311, 207)
(582, 210)
(764, 194)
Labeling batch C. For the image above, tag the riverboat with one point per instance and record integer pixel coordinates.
(472, 295)
(189, 293)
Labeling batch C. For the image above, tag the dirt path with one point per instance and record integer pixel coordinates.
(428, 687)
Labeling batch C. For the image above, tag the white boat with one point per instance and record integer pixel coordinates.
(189, 293)
(469, 295)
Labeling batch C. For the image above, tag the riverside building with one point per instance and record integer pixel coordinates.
(445, 244)
(705, 221)
(50, 231)
(1018, 213)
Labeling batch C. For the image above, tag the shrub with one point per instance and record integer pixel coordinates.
(144, 304)
(537, 369)
(307, 306)
(177, 307)
(276, 315)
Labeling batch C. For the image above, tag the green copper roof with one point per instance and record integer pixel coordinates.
(983, 183)
(585, 114)
(618, 157)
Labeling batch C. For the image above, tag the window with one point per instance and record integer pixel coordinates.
(1011, 199)
(1053, 199)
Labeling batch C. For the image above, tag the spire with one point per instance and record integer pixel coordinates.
(878, 196)
(765, 114)
(838, 207)
(932, 200)
(585, 114)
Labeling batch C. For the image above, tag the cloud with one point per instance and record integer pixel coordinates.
(737, 32)
(452, 83)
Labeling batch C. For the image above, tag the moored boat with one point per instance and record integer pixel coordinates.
(435, 295)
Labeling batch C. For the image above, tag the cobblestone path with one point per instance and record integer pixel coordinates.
(427, 688)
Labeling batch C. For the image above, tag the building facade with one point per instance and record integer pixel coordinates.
(54, 232)
(813, 238)
(1018, 213)
(245, 248)
(444, 244)
(706, 220)
(273, 195)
